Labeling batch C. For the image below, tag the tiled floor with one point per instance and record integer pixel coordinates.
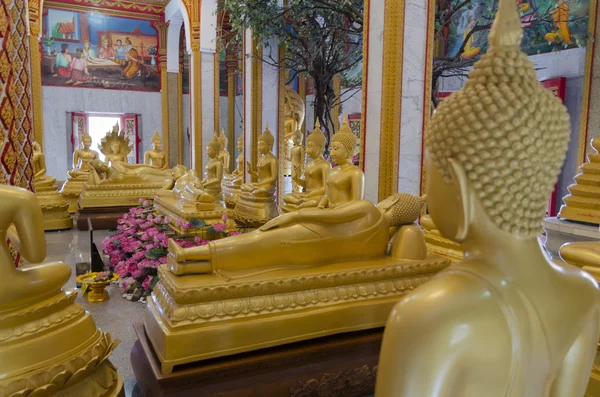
(115, 315)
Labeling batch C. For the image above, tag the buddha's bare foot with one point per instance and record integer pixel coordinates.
(176, 268)
(176, 252)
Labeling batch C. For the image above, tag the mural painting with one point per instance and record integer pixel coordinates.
(549, 25)
(89, 49)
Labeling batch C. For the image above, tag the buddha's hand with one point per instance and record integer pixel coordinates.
(280, 221)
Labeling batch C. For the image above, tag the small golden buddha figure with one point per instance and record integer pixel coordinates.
(346, 181)
(315, 175)
(156, 157)
(188, 189)
(231, 183)
(81, 157)
(213, 172)
(223, 153)
(297, 160)
(50, 344)
(358, 230)
(502, 322)
(40, 179)
(115, 146)
(293, 112)
(256, 204)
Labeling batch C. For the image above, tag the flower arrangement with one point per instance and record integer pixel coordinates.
(140, 246)
(104, 276)
(151, 49)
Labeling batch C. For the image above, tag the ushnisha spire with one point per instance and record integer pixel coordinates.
(508, 132)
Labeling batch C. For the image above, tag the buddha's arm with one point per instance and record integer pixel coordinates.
(324, 201)
(574, 373)
(253, 173)
(27, 220)
(343, 214)
(358, 186)
(147, 158)
(216, 181)
(318, 192)
(272, 178)
(75, 159)
(42, 163)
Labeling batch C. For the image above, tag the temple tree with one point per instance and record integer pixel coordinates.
(319, 38)
(462, 26)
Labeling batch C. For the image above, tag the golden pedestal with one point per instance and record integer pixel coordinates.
(275, 308)
(117, 194)
(255, 211)
(71, 191)
(583, 202)
(231, 193)
(438, 244)
(172, 207)
(54, 209)
(53, 346)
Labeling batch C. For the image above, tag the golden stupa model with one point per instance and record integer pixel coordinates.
(54, 207)
(257, 203)
(115, 183)
(80, 174)
(195, 198)
(49, 345)
(302, 275)
(315, 175)
(232, 183)
(506, 321)
(583, 202)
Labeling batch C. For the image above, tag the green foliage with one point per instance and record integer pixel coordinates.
(156, 253)
(197, 223)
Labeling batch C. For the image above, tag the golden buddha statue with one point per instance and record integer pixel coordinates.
(297, 159)
(231, 183)
(256, 204)
(315, 175)
(583, 202)
(213, 172)
(346, 181)
(54, 207)
(79, 175)
(156, 157)
(505, 322)
(223, 153)
(50, 344)
(293, 112)
(302, 275)
(115, 146)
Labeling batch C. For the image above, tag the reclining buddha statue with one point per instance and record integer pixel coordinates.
(79, 175)
(505, 321)
(315, 175)
(54, 206)
(257, 202)
(231, 183)
(50, 344)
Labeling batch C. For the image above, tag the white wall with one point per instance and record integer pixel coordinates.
(58, 101)
(187, 154)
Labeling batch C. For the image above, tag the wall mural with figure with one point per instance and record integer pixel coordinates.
(91, 49)
(549, 25)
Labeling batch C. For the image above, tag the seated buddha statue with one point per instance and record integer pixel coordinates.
(315, 175)
(40, 179)
(256, 204)
(304, 238)
(231, 183)
(297, 159)
(293, 113)
(346, 181)
(81, 157)
(50, 344)
(505, 321)
(213, 171)
(115, 146)
(156, 157)
(223, 153)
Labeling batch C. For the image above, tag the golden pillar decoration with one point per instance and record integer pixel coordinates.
(256, 101)
(365, 69)
(180, 136)
(196, 72)
(391, 97)
(162, 28)
(335, 112)
(36, 82)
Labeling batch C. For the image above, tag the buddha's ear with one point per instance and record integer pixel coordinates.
(461, 183)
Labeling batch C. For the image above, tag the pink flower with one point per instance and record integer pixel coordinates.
(144, 237)
(146, 282)
(149, 217)
(138, 273)
(178, 222)
(141, 200)
(146, 203)
(168, 219)
(224, 217)
(186, 226)
(234, 233)
(138, 256)
(163, 259)
(219, 227)
(121, 270)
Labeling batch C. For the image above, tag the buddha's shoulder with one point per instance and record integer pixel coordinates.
(577, 281)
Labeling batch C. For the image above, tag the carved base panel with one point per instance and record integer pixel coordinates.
(267, 309)
(439, 245)
(335, 366)
(71, 190)
(102, 218)
(231, 194)
(168, 206)
(117, 195)
(54, 348)
(255, 212)
(54, 209)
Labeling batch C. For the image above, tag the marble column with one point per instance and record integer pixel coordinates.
(196, 107)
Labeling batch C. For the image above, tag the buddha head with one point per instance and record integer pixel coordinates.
(213, 147)
(266, 141)
(495, 148)
(240, 144)
(86, 140)
(315, 142)
(37, 148)
(115, 147)
(297, 137)
(178, 171)
(401, 208)
(343, 144)
(223, 140)
(156, 140)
